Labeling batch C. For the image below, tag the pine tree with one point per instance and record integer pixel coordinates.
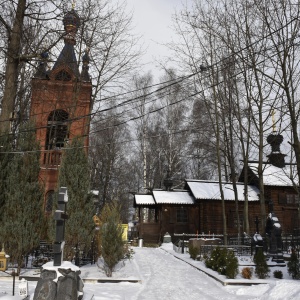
(23, 220)
(261, 269)
(5, 158)
(74, 174)
(294, 266)
(112, 246)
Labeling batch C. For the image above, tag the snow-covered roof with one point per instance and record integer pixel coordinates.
(202, 189)
(199, 189)
(144, 200)
(275, 176)
(164, 197)
(173, 197)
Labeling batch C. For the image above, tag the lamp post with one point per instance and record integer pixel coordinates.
(13, 274)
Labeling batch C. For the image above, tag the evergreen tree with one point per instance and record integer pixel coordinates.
(294, 266)
(232, 265)
(223, 261)
(23, 220)
(112, 246)
(261, 269)
(74, 174)
(5, 158)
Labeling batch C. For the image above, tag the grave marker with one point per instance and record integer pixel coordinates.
(60, 216)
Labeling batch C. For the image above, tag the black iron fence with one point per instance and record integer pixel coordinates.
(240, 245)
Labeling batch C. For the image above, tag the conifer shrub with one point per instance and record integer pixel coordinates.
(194, 251)
(247, 273)
(112, 245)
(232, 265)
(214, 259)
(277, 274)
(294, 266)
(261, 268)
(223, 261)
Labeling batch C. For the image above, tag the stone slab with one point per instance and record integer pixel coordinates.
(88, 296)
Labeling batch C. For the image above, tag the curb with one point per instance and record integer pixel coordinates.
(89, 280)
(108, 280)
(225, 281)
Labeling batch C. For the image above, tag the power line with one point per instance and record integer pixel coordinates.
(172, 82)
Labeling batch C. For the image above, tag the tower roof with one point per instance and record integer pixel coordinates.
(67, 56)
(85, 76)
(71, 20)
(42, 72)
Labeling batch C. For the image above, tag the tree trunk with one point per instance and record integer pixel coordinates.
(12, 67)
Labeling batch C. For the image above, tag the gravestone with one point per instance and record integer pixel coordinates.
(257, 240)
(59, 280)
(273, 232)
(60, 217)
(23, 288)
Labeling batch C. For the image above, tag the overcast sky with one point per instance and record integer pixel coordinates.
(153, 21)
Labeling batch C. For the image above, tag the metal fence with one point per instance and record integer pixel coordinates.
(240, 245)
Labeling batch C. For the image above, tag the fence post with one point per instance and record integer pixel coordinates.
(14, 279)
(182, 246)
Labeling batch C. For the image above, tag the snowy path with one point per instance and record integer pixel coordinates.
(159, 272)
(165, 277)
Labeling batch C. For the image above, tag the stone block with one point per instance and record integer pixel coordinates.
(67, 285)
(46, 287)
(167, 238)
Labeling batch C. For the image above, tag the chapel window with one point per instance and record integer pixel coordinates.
(57, 127)
(63, 75)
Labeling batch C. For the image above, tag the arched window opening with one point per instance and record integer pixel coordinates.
(49, 202)
(57, 129)
(63, 75)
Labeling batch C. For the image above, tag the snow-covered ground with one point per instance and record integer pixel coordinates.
(156, 273)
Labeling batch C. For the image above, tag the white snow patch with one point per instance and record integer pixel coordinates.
(65, 265)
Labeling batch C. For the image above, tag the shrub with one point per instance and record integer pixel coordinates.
(111, 237)
(277, 274)
(206, 259)
(220, 266)
(128, 252)
(261, 268)
(223, 261)
(214, 261)
(194, 251)
(294, 266)
(232, 265)
(247, 273)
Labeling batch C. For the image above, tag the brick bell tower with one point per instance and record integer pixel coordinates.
(60, 105)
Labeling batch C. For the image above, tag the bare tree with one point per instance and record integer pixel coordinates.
(24, 28)
(110, 162)
(140, 113)
(225, 33)
(172, 125)
(29, 28)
